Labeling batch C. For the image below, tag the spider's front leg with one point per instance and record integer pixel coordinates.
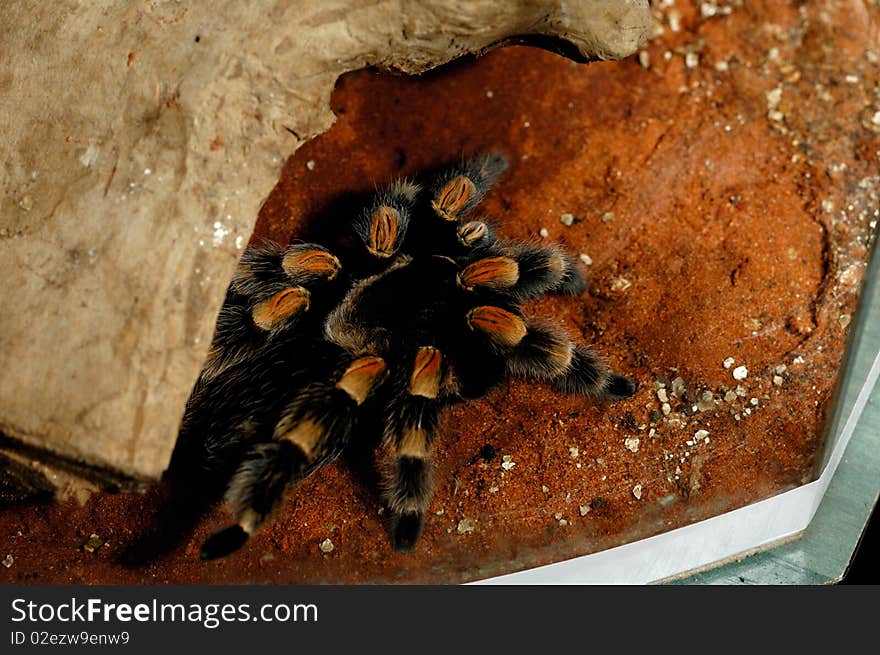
(460, 189)
(409, 433)
(382, 227)
(311, 432)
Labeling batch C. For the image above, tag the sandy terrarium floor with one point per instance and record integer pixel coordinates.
(720, 189)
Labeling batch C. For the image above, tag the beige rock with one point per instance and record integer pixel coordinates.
(138, 141)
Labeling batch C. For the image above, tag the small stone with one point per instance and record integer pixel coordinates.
(692, 60)
(706, 401)
(740, 373)
(326, 546)
(607, 217)
(507, 463)
(586, 259)
(637, 491)
(662, 396)
(678, 387)
(557, 516)
(620, 284)
(875, 119)
(754, 402)
(666, 409)
(727, 363)
(563, 522)
(310, 165)
(489, 93)
(700, 435)
(93, 544)
(573, 452)
(584, 510)
(545, 488)
(8, 560)
(631, 444)
(644, 59)
(778, 380)
(730, 396)
(567, 219)
(844, 320)
(493, 490)
(465, 526)
(544, 232)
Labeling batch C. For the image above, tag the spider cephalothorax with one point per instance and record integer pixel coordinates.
(423, 311)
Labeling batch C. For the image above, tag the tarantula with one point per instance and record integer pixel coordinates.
(420, 309)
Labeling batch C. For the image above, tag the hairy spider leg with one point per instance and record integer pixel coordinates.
(458, 190)
(312, 431)
(411, 425)
(546, 353)
(544, 269)
(269, 294)
(382, 226)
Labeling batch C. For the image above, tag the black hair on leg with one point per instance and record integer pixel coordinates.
(588, 375)
(312, 431)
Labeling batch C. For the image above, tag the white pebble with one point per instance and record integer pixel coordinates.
(637, 491)
(326, 546)
(727, 363)
(701, 434)
(740, 373)
(465, 526)
(544, 232)
(586, 259)
(632, 444)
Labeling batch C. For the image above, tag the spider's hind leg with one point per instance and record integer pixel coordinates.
(545, 352)
(409, 433)
(312, 431)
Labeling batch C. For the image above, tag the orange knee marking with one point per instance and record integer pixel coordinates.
(361, 376)
(314, 262)
(501, 326)
(272, 312)
(491, 272)
(383, 232)
(453, 197)
(425, 379)
(470, 233)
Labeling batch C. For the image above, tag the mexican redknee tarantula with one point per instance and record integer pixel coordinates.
(421, 309)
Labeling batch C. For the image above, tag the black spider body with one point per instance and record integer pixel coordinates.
(421, 311)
